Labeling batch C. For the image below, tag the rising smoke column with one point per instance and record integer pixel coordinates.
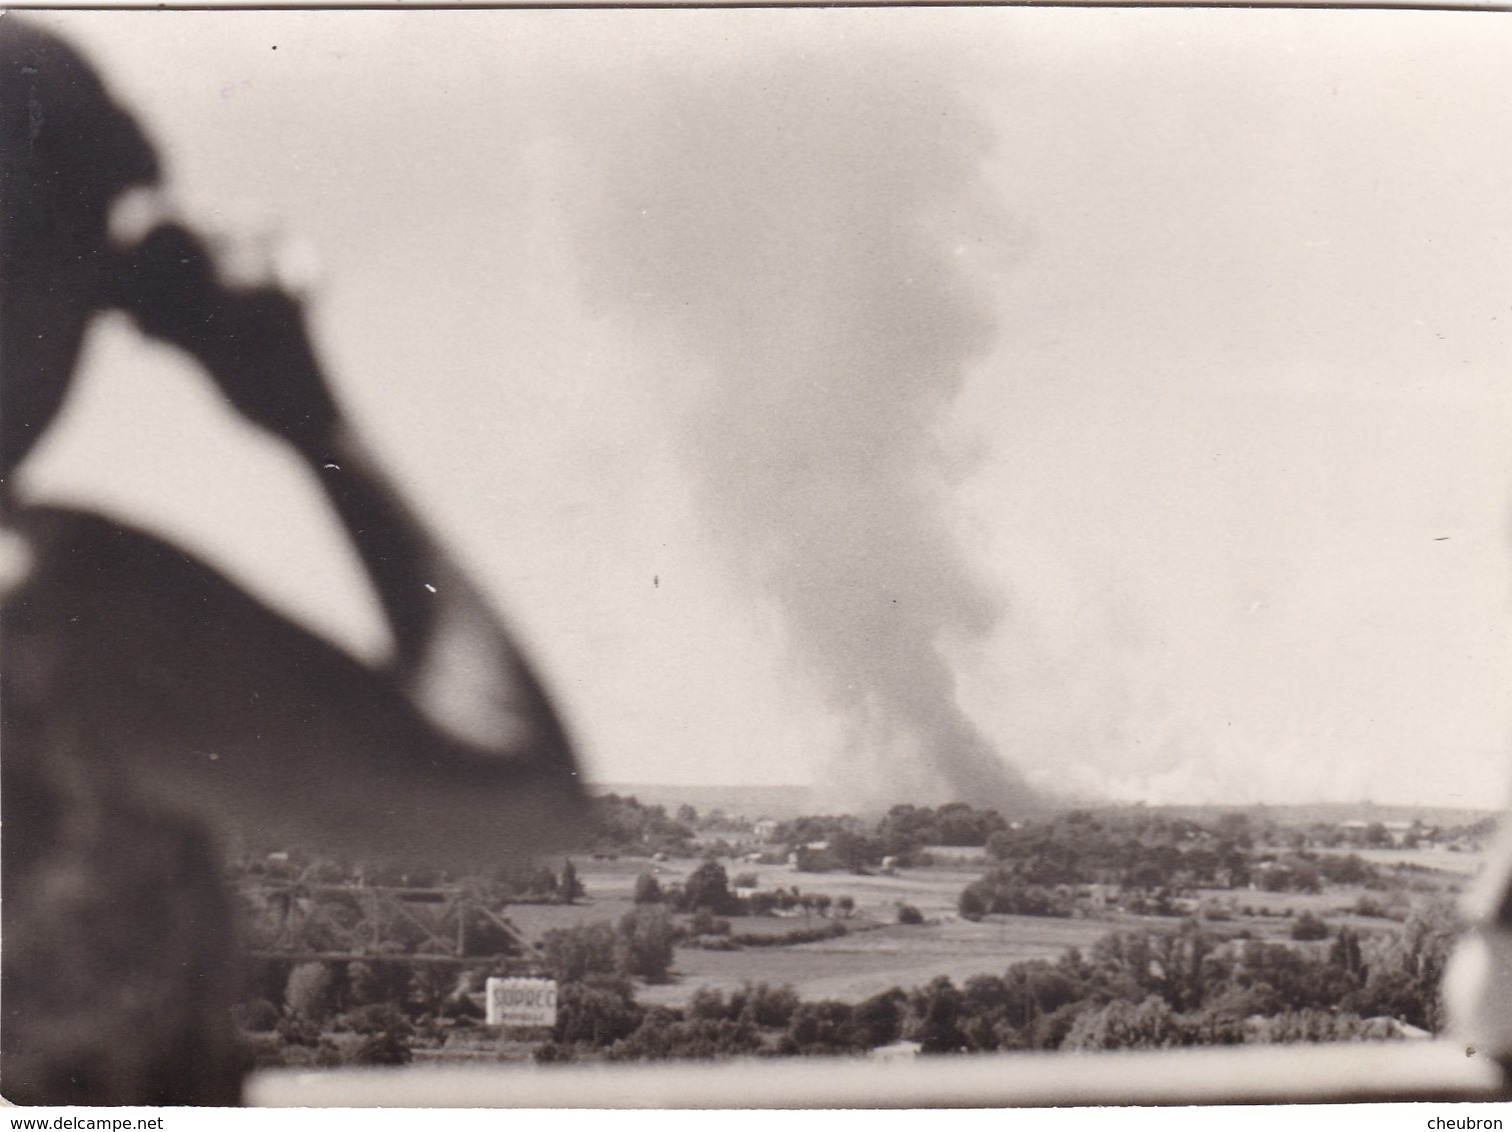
(798, 235)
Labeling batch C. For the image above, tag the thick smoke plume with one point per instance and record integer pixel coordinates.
(800, 237)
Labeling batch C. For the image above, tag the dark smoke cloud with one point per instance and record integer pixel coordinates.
(802, 238)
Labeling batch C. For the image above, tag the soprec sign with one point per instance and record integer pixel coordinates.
(521, 1002)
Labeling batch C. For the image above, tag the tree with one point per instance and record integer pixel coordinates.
(908, 914)
(822, 1027)
(761, 1005)
(391, 1047)
(310, 995)
(643, 944)
(666, 1034)
(708, 886)
(1308, 927)
(707, 1002)
(597, 1013)
(1147, 875)
(647, 889)
(578, 952)
(937, 1031)
(1347, 956)
(569, 888)
(971, 904)
(1122, 1025)
(879, 1019)
(386, 1034)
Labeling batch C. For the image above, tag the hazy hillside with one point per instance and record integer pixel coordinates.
(784, 802)
(780, 802)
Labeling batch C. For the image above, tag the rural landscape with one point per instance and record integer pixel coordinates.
(685, 933)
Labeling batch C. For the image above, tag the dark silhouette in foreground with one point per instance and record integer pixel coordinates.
(150, 706)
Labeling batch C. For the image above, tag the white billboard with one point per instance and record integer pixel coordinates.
(522, 1002)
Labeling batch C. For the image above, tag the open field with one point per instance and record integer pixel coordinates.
(933, 890)
(610, 884)
(1441, 860)
(878, 953)
(864, 963)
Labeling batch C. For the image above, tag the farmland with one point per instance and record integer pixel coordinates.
(875, 954)
(692, 937)
(878, 953)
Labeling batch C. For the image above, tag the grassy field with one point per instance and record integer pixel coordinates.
(867, 962)
(1439, 860)
(879, 953)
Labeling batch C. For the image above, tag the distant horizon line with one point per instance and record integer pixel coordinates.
(624, 787)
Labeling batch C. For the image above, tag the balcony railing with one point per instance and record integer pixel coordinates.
(1344, 1072)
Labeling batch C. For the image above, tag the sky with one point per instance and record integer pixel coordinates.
(920, 404)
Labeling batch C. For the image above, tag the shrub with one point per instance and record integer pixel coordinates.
(371, 981)
(708, 886)
(707, 1002)
(826, 1027)
(578, 952)
(705, 922)
(664, 1034)
(762, 1005)
(831, 930)
(1123, 1025)
(596, 1014)
(310, 995)
(1308, 927)
(971, 905)
(643, 942)
(391, 1047)
(374, 1019)
(256, 1017)
(908, 914)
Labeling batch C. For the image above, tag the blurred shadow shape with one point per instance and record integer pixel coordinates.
(150, 706)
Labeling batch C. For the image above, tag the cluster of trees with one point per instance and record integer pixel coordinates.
(901, 833)
(601, 1019)
(640, 944)
(905, 829)
(1139, 989)
(1134, 850)
(510, 884)
(623, 825)
(1149, 852)
(1377, 835)
(536, 885)
(1130, 848)
(1004, 892)
(708, 890)
(368, 1012)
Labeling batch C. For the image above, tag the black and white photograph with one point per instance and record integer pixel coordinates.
(715, 558)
